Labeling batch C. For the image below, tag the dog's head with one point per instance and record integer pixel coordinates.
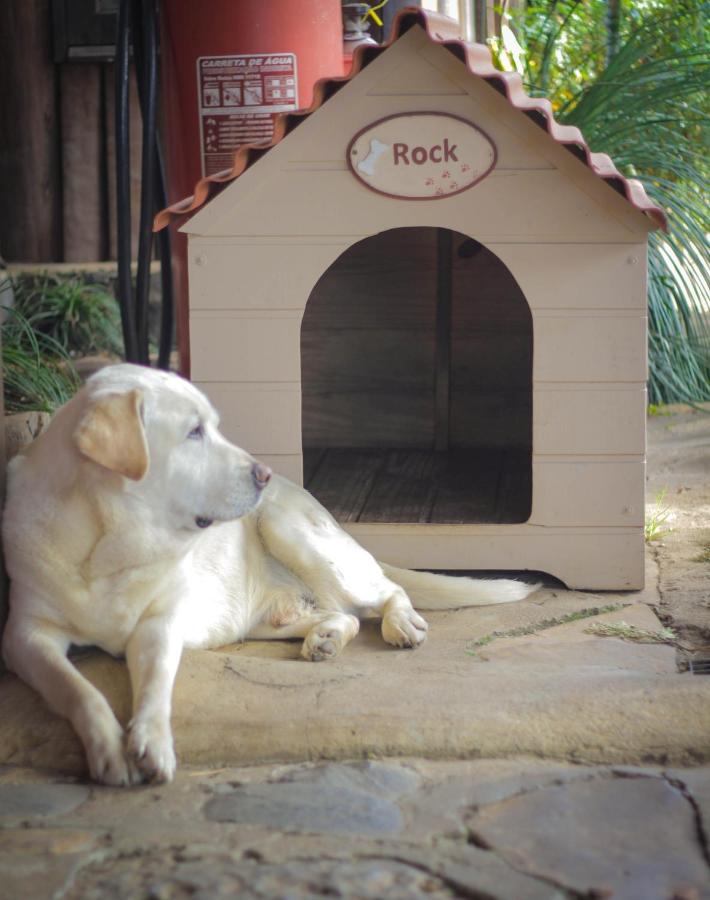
(161, 434)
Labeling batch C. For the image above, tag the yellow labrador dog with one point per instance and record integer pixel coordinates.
(134, 525)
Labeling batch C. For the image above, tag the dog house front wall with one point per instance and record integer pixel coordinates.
(576, 249)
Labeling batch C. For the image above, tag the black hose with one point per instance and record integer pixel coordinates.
(167, 323)
(123, 185)
(145, 235)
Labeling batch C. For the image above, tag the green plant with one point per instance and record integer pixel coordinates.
(37, 372)
(631, 632)
(543, 625)
(655, 410)
(704, 555)
(656, 518)
(637, 88)
(81, 317)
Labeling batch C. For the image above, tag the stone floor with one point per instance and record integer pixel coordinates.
(516, 754)
(405, 829)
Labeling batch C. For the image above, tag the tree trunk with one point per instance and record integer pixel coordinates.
(31, 224)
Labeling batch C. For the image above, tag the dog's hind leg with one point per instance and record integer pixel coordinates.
(402, 626)
(325, 633)
(340, 574)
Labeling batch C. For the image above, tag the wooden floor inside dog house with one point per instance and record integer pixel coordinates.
(416, 368)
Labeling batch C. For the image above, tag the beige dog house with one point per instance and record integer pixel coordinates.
(426, 301)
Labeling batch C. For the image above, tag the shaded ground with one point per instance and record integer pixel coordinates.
(679, 474)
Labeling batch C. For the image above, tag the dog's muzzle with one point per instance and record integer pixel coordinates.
(261, 475)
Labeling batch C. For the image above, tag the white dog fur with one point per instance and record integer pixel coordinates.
(107, 544)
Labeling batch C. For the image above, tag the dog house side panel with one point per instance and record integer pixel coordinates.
(541, 171)
(583, 558)
(577, 491)
(584, 276)
(262, 417)
(251, 273)
(320, 141)
(246, 345)
(275, 272)
(589, 419)
(589, 346)
(302, 186)
(538, 206)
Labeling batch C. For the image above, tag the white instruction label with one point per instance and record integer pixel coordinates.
(238, 97)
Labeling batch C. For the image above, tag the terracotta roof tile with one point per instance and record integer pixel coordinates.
(477, 57)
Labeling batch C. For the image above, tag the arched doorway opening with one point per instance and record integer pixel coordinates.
(416, 367)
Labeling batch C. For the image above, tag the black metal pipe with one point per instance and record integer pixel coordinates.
(167, 316)
(167, 304)
(137, 46)
(147, 78)
(160, 201)
(123, 185)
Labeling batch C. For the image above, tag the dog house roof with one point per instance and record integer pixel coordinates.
(444, 31)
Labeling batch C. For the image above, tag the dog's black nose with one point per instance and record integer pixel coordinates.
(262, 474)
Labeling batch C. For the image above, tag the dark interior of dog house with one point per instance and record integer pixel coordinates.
(416, 359)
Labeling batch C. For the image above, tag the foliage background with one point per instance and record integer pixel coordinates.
(633, 76)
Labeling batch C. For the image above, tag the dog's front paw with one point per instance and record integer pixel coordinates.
(150, 746)
(108, 763)
(404, 628)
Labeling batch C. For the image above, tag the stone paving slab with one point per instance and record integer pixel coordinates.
(584, 835)
(520, 829)
(20, 801)
(559, 693)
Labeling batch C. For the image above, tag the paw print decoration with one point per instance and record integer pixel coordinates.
(441, 189)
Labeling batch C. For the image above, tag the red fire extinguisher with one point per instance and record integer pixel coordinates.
(228, 67)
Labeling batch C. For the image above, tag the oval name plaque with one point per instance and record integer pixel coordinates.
(421, 155)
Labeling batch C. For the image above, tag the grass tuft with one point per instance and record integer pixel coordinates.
(631, 632)
(37, 371)
(657, 518)
(542, 625)
(80, 316)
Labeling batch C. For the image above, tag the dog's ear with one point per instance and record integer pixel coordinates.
(111, 434)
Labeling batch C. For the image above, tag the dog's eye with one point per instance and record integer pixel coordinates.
(197, 433)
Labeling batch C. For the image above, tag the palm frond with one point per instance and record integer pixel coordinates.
(647, 108)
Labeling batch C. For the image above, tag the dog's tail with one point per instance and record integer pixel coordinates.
(429, 591)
